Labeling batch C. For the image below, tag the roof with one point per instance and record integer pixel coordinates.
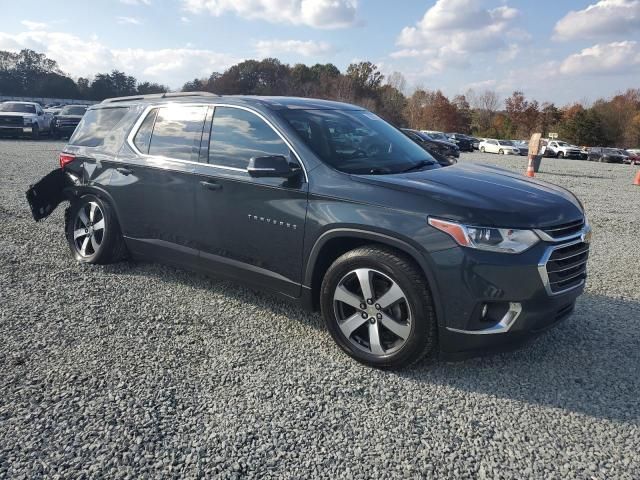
(273, 102)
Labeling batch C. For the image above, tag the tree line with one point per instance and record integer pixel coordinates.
(607, 122)
(31, 74)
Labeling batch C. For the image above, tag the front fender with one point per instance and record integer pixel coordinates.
(421, 257)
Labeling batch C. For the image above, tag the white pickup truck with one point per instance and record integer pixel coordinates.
(560, 149)
(18, 119)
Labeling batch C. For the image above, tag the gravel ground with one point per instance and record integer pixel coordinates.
(138, 370)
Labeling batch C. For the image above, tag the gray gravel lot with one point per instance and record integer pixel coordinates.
(138, 370)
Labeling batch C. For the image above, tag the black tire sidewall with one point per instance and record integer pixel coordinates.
(35, 132)
(110, 235)
(423, 329)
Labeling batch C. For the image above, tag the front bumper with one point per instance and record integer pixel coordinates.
(509, 289)
(64, 129)
(16, 130)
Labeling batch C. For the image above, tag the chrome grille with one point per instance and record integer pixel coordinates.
(565, 230)
(10, 120)
(566, 267)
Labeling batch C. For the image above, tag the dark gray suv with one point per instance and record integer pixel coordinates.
(326, 204)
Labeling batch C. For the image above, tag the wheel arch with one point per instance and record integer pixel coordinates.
(78, 191)
(333, 243)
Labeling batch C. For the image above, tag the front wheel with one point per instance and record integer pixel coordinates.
(93, 232)
(501, 152)
(35, 132)
(378, 308)
(482, 149)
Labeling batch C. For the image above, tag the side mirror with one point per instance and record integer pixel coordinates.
(270, 166)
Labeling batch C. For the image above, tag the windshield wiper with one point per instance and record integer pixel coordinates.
(418, 166)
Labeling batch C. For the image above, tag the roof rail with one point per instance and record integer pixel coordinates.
(159, 95)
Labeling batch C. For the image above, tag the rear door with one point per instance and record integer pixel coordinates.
(251, 228)
(154, 185)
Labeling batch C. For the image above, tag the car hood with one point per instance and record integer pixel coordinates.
(17, 114)
(485, 195)
(441, 143)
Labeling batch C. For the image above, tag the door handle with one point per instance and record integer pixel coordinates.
(124, 171)
(211, 185)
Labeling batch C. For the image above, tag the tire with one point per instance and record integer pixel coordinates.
(501, 152)
(35, 132)
(411, 315)
(561, 155)
(87, 242)
(482, 149)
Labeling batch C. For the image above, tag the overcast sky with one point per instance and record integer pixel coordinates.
(556, 50)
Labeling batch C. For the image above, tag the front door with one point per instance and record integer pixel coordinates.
(250, 228)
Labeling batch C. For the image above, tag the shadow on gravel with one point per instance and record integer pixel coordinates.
(234, 291)
(590, 364)
(576, 175)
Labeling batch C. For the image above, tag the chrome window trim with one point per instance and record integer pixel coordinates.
(145, 112)
(503, 326)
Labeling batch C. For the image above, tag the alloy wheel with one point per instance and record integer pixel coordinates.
(88, 229)
(372, 311)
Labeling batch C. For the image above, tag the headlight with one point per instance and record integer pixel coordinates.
(504, 240)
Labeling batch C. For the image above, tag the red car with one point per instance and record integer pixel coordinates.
(631, 158)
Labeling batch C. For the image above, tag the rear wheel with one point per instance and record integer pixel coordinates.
(501, 152)
(378, 308)
(482, 149)
(93, 232)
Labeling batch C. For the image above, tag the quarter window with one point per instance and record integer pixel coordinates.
(96, 125)
(237, 135)
(177, 132)
(143, 136)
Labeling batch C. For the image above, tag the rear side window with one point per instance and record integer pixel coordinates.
(143, 136)
(237, 135)
(177, 132)
(96, 125)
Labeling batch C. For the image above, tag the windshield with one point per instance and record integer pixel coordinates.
(17, 107)
(438, 136)
(73, 111)
(507, 143)
(356, 141)
(563, 144)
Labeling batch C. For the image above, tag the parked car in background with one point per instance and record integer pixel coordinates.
(584, 153)
(67, 120)
(475, 142)
(635, 151)
(403, 258)
(605, 154)
(632, 158)
(503, 147)
(435, 135)
(446, 153)
(19, 119)
(53, 110)
(522, 145)
(464, 143)
(560, 149)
